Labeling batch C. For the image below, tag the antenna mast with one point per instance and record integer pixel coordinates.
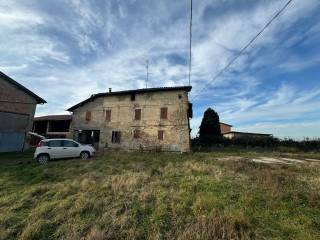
(147, 67)
(190, 55)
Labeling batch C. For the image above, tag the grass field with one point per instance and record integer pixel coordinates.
(159, 196)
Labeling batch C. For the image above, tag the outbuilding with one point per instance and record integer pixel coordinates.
(17, 108)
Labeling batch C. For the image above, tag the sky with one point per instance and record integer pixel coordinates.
(67, 50)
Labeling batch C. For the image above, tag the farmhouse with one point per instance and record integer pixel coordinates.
(17, 108)
(151, 119)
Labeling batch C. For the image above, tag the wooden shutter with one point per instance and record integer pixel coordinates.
(163, 113)
(160, 134)
(137, 114)
(108, 115)
(118, 137)
(88, 116)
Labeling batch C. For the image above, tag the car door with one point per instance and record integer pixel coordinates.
(55, 149)
(70, 148)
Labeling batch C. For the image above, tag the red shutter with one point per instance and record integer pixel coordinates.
(160, 134)
(164, 113)
(88, 116)
(108, 115)
(137, 114)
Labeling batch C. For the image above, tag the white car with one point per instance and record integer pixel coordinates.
(61, 148)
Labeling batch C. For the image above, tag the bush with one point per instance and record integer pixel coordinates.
(267, 143)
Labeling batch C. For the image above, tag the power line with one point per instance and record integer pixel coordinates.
(190, 42)
(243, 49)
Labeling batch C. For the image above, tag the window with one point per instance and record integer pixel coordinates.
(133, 97)
(136, 133)
(116, 137)
(108, 115)
(67, 143)
(163, 113)
(88, 116)
(180, 96)
(137, 114)
(55, 143)
(160, 134)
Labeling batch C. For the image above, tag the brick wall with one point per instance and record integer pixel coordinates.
(15, 100)
(225, 128)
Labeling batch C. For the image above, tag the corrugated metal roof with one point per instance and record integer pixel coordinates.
(135, 91)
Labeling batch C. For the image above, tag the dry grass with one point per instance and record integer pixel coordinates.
(159, 196)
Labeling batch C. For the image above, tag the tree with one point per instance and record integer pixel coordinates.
(209, 130)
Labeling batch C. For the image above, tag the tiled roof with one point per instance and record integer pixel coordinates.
(135, 91)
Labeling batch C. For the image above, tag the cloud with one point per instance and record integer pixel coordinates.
(71, 49)
(310, 129)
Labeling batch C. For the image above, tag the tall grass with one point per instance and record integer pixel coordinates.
(159, 196)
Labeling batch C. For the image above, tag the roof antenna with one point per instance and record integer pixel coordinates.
(147, 67)
(190, 43)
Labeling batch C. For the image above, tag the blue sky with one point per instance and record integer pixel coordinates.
(67, 50)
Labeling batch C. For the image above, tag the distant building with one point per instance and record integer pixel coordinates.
(237, 135)
(225, 127)
(228, 133)
(17, 108)
(151, 119)
(53, 126)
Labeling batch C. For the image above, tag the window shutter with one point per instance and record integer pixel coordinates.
(137, 114)
(160, 134)
(119, 137)
(164, 113)
(108, 115)
(88, 116)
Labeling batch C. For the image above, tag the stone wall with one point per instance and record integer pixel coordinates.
(175, 127)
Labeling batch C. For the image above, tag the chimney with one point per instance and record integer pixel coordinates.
(110, 90)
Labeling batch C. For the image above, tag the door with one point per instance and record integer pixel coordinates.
(11, 141)
(13, 128)
(55, 149)
(70, 149)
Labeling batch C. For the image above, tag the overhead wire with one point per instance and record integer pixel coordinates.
(242, 50)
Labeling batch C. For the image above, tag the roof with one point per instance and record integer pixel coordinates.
(261, 134)
(19, 86)
(53, 117)
(226, 124)
(135, 91)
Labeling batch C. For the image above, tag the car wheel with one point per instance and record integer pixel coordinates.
(43, 158)
(84, 155)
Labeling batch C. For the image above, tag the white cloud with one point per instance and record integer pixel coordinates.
(113, 40)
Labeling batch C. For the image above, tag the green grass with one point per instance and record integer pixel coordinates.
(159, 196)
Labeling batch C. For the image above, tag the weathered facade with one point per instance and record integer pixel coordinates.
(17, 108)
(154, 119)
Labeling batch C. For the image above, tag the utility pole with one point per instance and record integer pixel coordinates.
(147, 67)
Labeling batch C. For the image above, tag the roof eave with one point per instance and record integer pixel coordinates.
(23, 88)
